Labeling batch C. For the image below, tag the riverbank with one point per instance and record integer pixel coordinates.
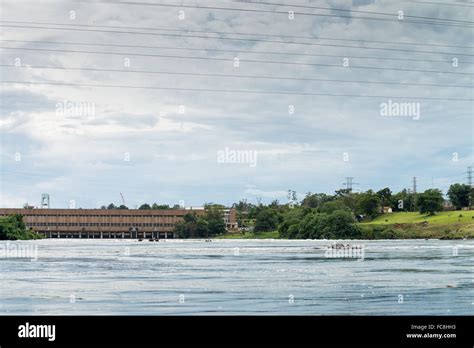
(416, 231)
(403, 225)
(251, 235)
(375, 232)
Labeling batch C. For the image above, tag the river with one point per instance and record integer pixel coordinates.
(236, 277)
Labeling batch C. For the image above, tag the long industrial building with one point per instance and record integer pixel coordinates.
(104, 223)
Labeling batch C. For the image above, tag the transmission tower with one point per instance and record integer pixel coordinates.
(414, 193)
(349, 183)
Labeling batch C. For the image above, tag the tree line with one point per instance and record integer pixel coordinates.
(210, 224)
(144, 206)
(320, 215)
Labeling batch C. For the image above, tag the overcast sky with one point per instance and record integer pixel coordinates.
(161, 143)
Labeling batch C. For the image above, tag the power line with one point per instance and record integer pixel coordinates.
(233, 51)
(436, 181)
(347, 10)
(241, 60)
(278, 12)
(234, 91)
(239, 39)
(325, 38)
(230, 75)
(438, 3)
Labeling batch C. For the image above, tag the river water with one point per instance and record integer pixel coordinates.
(236, 277)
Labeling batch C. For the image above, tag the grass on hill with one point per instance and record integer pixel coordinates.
(442, 225)
(441, 218)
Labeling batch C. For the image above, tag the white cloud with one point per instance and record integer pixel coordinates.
(172, 136)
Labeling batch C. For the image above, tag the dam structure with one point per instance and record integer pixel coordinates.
(107, 223)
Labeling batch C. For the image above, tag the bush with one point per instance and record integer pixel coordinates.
(338, 225)
(266, 220)
(12, 227)
(331, 207)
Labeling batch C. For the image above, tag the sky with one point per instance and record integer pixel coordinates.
(218, 101)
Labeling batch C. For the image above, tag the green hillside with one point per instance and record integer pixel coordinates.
(442, 218)
(443, 225)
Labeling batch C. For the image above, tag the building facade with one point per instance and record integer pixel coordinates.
(230, 219)
(102, 223)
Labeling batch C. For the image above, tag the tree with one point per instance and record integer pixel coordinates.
(289, 227)
(471, 197)
(350, 200)
(403, 201)
(111, 206)
(202, 228)
(160, 206)
(193, 226)
(122, 207)
(242, 206)
(292, 197)
(216, 227)
(338, 224)
(312, 226)
(368, 204)
(332, 206)
(266, 220)
(12, 227)
(214, 218)
(187, 228)
(459, 195)
(315, 200)
(274, 204)
(384, 195)
(430, 201)
(145, 206)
